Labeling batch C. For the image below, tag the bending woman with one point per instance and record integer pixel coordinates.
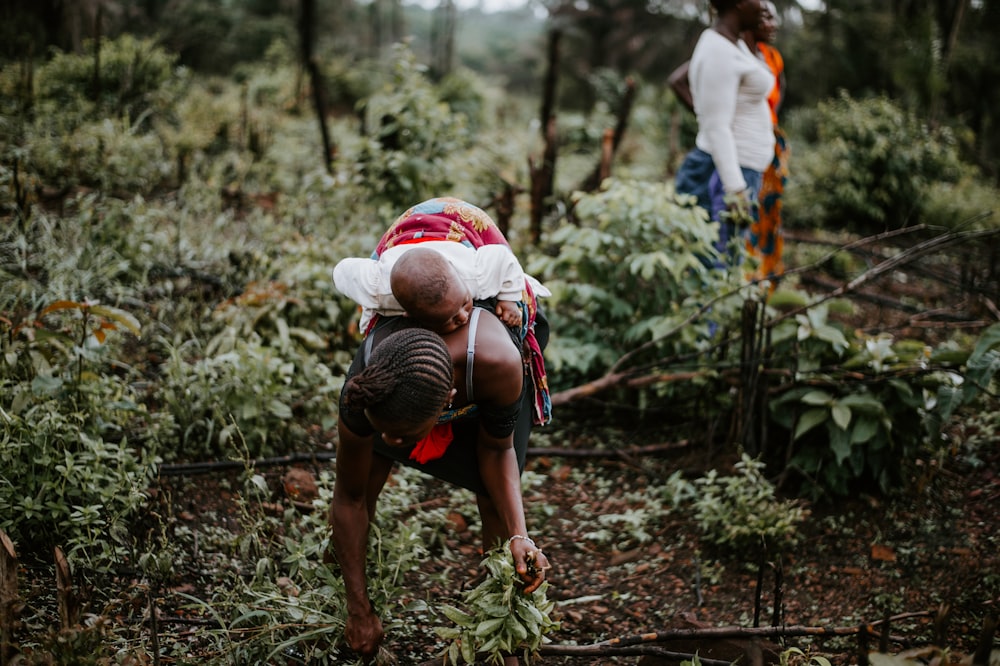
(402, 380)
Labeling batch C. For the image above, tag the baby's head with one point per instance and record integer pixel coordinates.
(430, 290)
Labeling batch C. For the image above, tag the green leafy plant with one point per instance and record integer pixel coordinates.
(500, 619)
(741, 512)
(249, 388)
(409, 132)
(71, 476)
(796, 657)
(853, 422)
(871, 167)
(133, 76)
(627, 271)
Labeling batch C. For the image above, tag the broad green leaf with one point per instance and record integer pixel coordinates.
(865, 427)
(817, 398)
(468, 651)
(279, 409)
(809, 420)
(841, 415)
(863, 403)
(840, 444)
(832, 335)
(458, 617)
(487, 627)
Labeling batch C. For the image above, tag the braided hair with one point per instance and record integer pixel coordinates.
(408, 378)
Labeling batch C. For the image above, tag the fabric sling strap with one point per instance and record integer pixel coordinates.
(470, 353)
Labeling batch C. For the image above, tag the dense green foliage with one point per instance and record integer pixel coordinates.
(165, 294)
(626, 271)
(870, 167)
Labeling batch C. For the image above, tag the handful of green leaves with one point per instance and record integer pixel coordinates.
(500, 619)
(739, 208)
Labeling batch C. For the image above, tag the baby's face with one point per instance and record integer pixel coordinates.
(450, 313)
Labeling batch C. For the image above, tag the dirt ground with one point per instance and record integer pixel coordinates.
(929, 559)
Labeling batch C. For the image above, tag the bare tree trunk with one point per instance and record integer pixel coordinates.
(543, 176)
(551, 79)
(96, 89)
(9, 600)
(611, 140)
(504, 204)
(307, 35)
(397, 24)
(443, 39)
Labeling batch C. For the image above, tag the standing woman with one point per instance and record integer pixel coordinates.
(729, 86)
(765, 240)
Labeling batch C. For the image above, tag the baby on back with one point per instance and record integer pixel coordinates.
(435, 283)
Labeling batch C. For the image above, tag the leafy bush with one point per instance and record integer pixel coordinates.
(133, 78)
(741, 512)
(95, 131)
(870, 168)
(112, 155)
(78, 447)
(628, 271)
(864, 409)
(250, 391)
(409, 132)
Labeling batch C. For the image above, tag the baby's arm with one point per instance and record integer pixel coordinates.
(366, 282)
(509, 312)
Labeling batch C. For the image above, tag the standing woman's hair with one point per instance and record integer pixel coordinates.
(408, 378)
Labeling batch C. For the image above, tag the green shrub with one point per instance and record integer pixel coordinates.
(870, 167)
(409, 132)
(864, 409)
(741, 512)
(626, 272)
(77, 447)
(132, 79)
(970, 200)
(65, 484)
(247, 394)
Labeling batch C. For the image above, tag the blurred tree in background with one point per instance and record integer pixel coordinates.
(936, 58)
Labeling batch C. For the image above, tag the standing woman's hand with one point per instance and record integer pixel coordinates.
(740, 207)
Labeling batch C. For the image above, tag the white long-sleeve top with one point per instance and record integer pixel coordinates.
(491, 270)
(729, 88)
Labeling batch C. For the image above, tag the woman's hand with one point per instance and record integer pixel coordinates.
(364, 634)
(530, 562)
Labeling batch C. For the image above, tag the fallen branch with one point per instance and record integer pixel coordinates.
(717, 633)
(644, 644)
(179, 469)
(626, 379)
(627, 645)
(906, 256)
(617, 376)
(652, 449)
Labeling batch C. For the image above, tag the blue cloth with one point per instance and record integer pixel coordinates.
(698, 176)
